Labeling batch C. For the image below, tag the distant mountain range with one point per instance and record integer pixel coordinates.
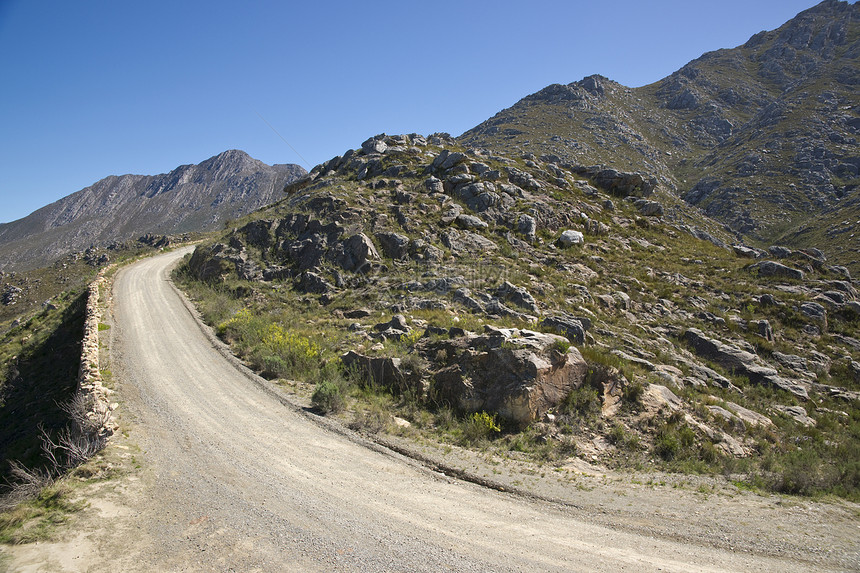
(190, 198)
(762, 137)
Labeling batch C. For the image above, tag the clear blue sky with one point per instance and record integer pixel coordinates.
(96, 88)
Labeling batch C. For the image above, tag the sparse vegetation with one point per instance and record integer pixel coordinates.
(639, 286)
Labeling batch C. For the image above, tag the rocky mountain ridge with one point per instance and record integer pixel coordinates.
(762, 137)
(190, 198)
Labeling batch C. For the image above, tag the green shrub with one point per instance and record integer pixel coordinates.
(632, 396)
(667, 445)
(561, 346)
(583, 401)
(327, 397)
(480, 426)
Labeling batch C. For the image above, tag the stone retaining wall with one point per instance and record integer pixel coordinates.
(90, 384)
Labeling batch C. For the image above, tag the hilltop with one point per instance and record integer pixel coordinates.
(762, 137)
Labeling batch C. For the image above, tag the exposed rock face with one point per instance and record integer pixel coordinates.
(520, 374)
(189, 198)
(742, 362)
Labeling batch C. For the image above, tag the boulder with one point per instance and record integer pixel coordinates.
(313, 283)
(355, 253)
(774, 269)
(815, 311)
(567, 326)
(747, 252)
(797, 413)
(394, 245)
(569, 238)
(763, 329)
(382, 371)
(466, 242)
(397, 322)
(649, 208)
(526, 225)
(518, 296)
(779, 252)
(470, 222)
(518, 374)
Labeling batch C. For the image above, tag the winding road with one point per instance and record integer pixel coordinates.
(239, 481)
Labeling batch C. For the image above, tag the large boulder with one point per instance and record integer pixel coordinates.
(567, 326)
(774, 269)
(382, 371)
(518, 374)
(569, 238)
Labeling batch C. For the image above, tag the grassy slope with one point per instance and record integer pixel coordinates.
(655, 264)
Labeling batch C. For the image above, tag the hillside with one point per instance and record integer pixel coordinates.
(117, 208)
(516, 304)
(762, 137)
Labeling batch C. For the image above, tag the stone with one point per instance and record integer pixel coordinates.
(741, 362)
(527, 225)
(357, 251)
(763, 329)
(452, 159)
(397, 322)
(374, 145)
(780, 252)
(567, 326)
(382, 371)
(470, 222)
(657, 396)
(748, 416)
(518, 296)
(774, 269)
(394, 245)
(434, 185)
(815, 311)
(357, 313)
(791, 361)
(518, 374)
(466, 242)
(313, 283)
(797, 413)
(747, 252)
(649, 208)
(569, 238)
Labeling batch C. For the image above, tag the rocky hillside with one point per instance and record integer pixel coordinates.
(189, 198)
(762, 137)
(564, 306)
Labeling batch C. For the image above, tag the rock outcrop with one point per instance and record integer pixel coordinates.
(519, 374)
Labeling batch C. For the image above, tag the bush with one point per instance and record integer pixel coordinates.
(632, 397)
(327, 397)
(561, 346)
(583, 401)
(480, 426)
(667, 445)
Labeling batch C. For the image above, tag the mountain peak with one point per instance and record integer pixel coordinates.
(189, 198)
(762, 137)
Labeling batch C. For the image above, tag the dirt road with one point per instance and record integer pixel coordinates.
(232, 479)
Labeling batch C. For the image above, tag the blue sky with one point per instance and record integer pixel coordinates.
(93, 88)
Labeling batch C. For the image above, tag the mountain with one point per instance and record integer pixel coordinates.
(762, 137)
(190, 198)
